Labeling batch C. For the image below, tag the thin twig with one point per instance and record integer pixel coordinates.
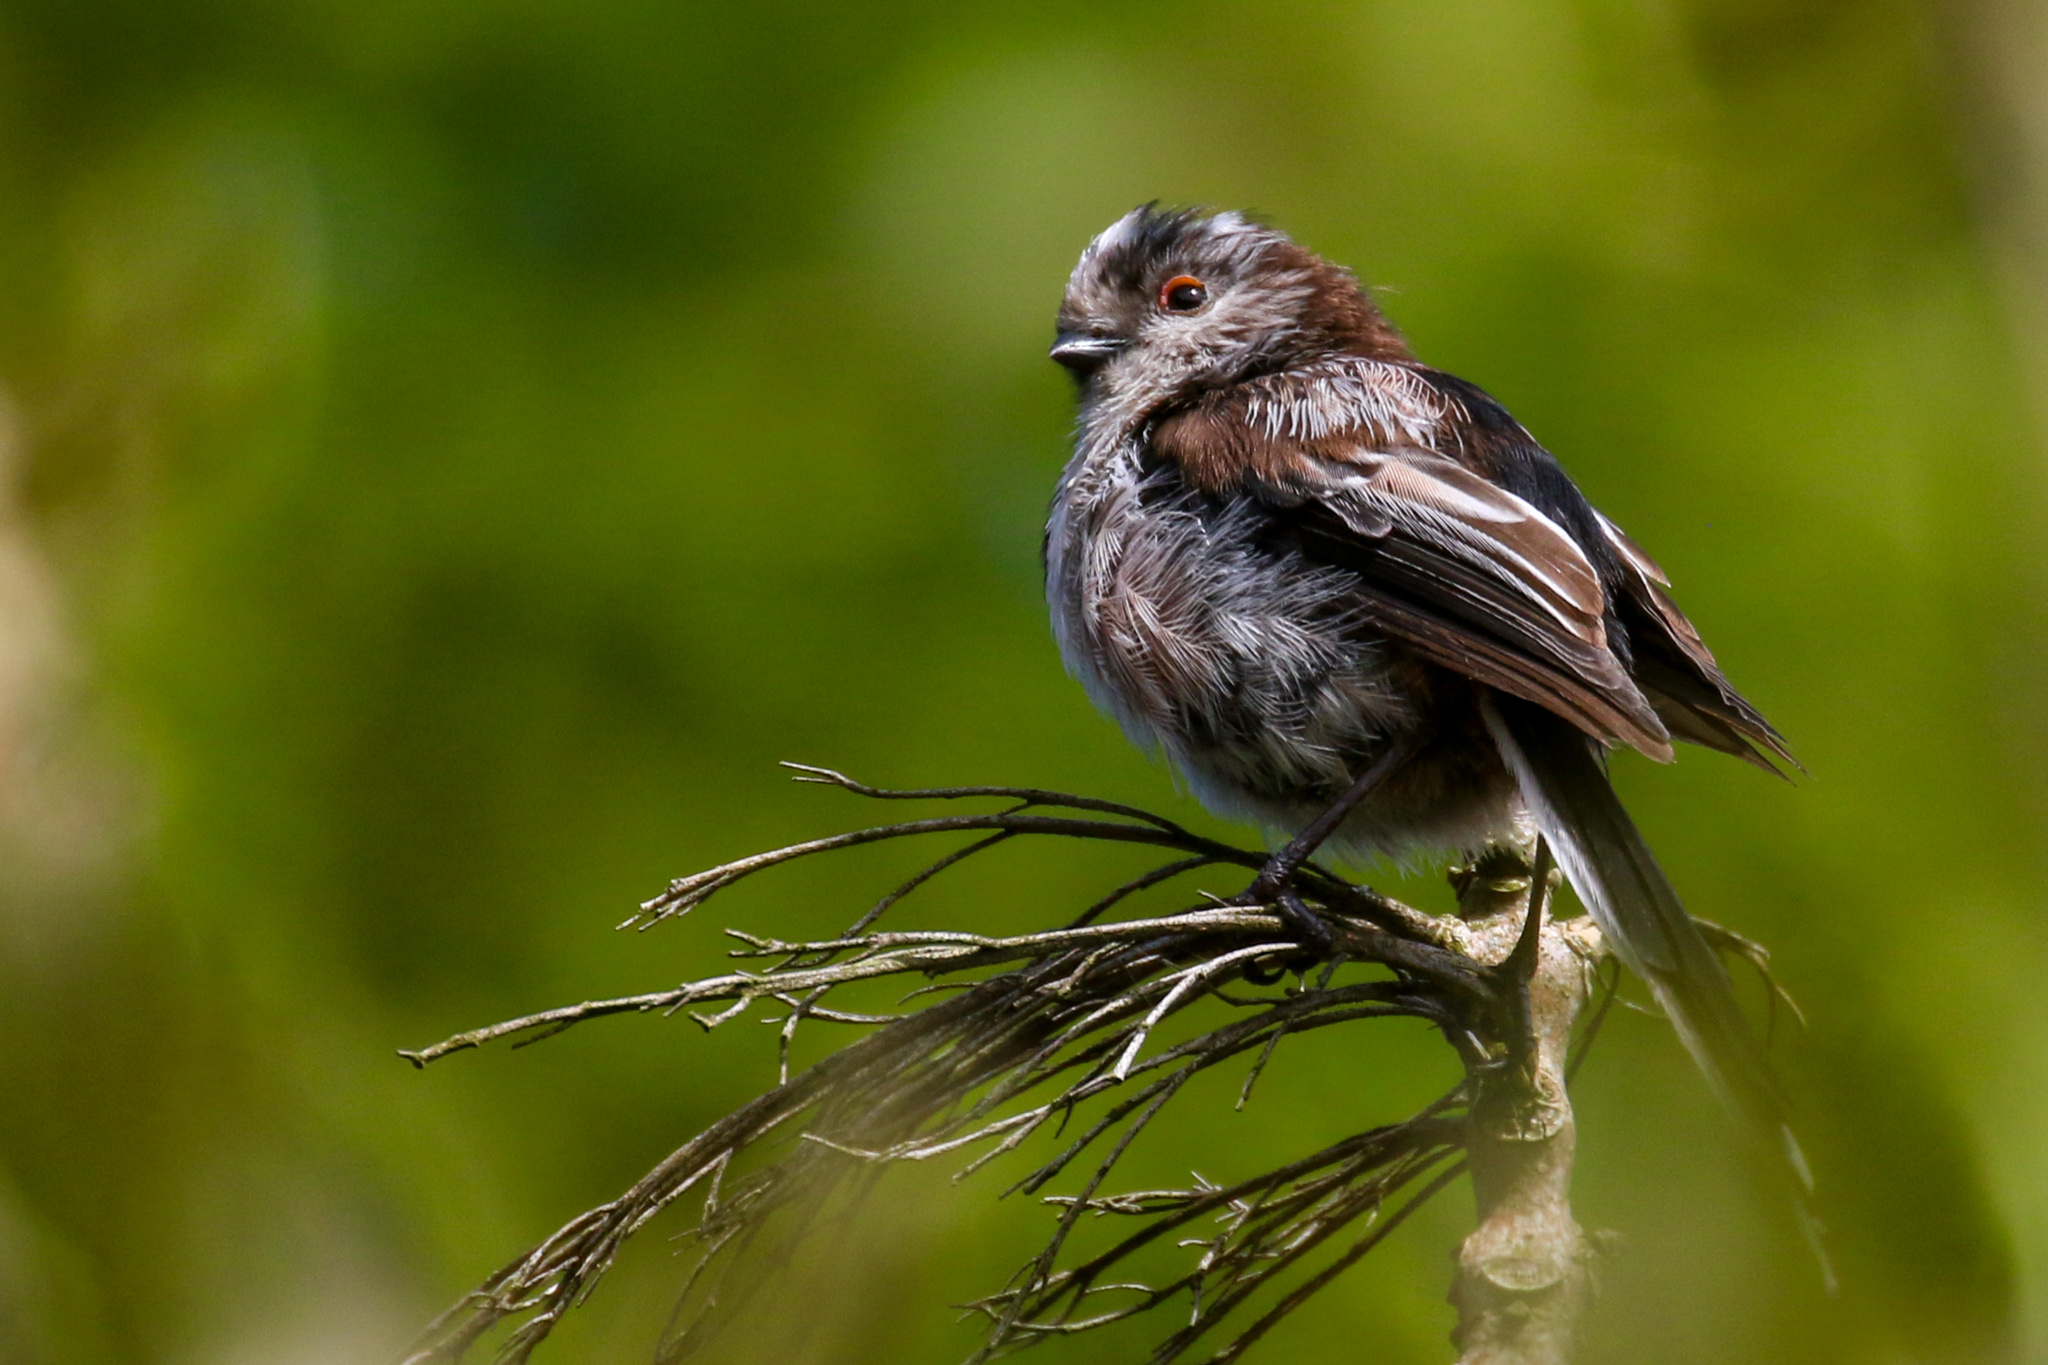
(1032, 1030)
(1030, 796)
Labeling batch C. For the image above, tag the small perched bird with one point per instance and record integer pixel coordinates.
(1352, 599)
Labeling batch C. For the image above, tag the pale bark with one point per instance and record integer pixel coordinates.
(1524, 1274)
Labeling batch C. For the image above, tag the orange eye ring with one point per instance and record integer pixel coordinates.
(1183, 294)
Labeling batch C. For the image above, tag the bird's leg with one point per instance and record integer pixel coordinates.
(1281, 867)
(1273, 882)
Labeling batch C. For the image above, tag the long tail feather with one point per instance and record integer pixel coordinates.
(1565, 786)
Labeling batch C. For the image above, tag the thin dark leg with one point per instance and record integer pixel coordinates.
(1284, 864)
(1272, 881)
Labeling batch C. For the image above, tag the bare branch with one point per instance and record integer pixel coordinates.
(1029, 796)
(1524, 1273)
(1038, 1029)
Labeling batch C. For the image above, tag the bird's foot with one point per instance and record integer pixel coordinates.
(1315, 935)
(1307, 925)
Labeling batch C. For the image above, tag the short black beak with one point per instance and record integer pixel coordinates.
(1083, 353)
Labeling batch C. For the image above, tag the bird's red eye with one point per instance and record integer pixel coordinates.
(1183, 294)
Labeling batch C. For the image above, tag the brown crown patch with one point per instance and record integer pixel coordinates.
(1339, 311)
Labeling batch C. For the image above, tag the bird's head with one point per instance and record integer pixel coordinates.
(1164, 304)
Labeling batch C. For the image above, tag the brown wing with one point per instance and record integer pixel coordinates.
(1677, 672)
(1467, 574)
(1480, 581)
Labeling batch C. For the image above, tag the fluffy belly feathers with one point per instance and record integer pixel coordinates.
(1247, 666)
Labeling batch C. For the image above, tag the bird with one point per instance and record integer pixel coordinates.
(1354, 601)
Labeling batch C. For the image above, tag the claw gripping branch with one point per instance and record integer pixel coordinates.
(1088, 1034)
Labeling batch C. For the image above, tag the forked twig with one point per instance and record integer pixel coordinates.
(1035, 1030)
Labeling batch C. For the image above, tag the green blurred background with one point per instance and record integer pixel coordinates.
(453, 450)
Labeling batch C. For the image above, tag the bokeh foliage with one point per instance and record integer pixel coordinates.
(455, 449)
